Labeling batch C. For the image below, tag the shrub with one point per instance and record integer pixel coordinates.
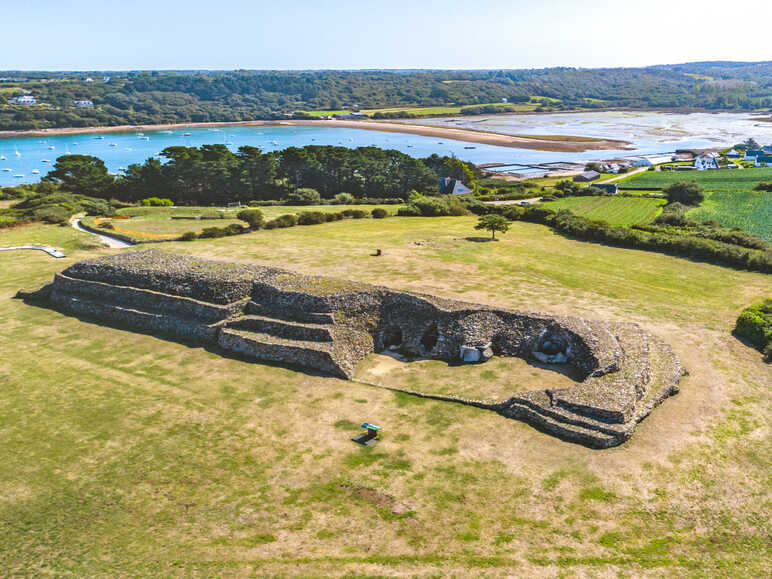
(755, 325)
(688, 193)
(213, 233)
(188, 236)
(409, 211)
(304, 196)
(254, 217)
(156, 202)
(53, 214)
(358, 214)
(106, 225)
(234, 229)
(343, 199)
(379, 213)
(311, 218)
(288, 220)
(673, 214)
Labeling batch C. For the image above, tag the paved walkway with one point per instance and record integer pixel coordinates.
(53, 252)
(106, 239)
(530, 201)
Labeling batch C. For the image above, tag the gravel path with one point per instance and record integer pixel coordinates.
(106, 239)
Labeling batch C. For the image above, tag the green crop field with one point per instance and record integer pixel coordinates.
(729, 196)
(748, 210)
(722, 180)
(612, 210)
(129, 455)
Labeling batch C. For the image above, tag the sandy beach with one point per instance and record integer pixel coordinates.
(572, 144)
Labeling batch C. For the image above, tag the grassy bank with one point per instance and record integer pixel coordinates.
(129, 454)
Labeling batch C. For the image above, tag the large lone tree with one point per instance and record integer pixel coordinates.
(493, 223)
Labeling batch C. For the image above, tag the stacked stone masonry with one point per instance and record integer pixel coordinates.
(327, 325)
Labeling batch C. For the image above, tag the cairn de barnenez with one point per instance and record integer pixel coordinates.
(328, 325)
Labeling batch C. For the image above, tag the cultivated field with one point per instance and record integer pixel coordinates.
(126, 454)
(730, 198)
(613, 210)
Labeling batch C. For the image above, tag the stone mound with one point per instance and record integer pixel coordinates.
(327, 325)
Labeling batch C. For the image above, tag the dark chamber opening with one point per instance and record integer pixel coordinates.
(429, 339)
(392, 337)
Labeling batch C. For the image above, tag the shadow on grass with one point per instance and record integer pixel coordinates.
(480, 239)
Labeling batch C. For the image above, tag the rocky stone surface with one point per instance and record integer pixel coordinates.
(329, 325)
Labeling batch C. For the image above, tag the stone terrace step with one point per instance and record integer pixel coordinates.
(572, 432)
(254, 308)
(540, 402)
(261, 346)
(283, 329)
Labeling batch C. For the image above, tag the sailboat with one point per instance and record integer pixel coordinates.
(35, 172)
(2, 157)
(18, 154)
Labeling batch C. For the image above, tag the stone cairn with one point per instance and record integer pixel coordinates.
(327, 325)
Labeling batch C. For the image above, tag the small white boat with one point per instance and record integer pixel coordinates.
(113, 144)
(229, 142)
(18, 154)
(45, 161)
(145, 138)
(167, 132)
(2, 157)
(19, 176)
(276, 143)
(100, 137)
(51, 147)
(7, 170)
(35, 172)
(186, 134)
(140, 134)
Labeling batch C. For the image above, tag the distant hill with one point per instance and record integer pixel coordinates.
(153, 97)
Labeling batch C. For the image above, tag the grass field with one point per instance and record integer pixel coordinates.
(156, 223)
(722, 180)
(450, 109)
(613, 210)
(730, 198)
(126, 454)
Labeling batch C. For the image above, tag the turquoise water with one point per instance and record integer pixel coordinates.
(119, 150)
(649, 132)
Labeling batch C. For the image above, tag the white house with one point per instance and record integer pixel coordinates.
(703, 162)
(23, 100)
(84, 104)
(642, 162)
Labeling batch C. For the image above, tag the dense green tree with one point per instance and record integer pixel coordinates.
(686, 193)
(81, 174)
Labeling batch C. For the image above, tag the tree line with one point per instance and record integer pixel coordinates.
(138, 98)
(214, 175)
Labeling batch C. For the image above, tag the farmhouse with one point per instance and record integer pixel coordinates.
(608, 188)
(586, 177)
(23, 100)
(752, 154)
(733, 154)
(706, 161)
(450, 186)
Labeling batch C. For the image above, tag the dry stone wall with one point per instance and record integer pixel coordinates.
(328, 325)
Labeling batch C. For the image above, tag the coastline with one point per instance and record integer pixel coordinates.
(566, 144)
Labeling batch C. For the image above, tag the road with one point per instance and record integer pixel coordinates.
(622, 176)
(106, 239)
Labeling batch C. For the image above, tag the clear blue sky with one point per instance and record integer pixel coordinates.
(349, 34)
